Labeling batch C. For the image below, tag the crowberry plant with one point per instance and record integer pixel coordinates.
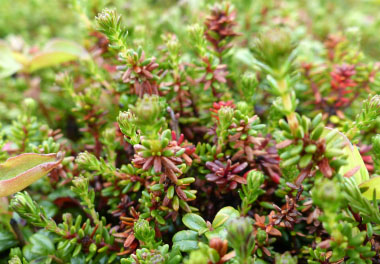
(197, 132)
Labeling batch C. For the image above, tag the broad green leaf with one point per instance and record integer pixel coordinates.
(220, 232)
(7, 240)
(368, 186)
(8, 64)
(186, 240)
(56, 52)
(354, 158)
(40, 248)
(78, 259)
(67, 46)
(362, 175)
(223, 215)
(19, 172)
(194, 222)
(42, 245)
(48, 59)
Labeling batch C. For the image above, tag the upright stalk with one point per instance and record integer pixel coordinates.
(288, 105)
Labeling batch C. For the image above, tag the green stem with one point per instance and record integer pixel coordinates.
(91, 209)
(287, 102)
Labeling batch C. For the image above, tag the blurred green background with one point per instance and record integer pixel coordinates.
(36, 21)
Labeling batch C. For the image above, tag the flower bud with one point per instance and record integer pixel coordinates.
(173, 45)
(107, 20)
(326, 194)
(243, 107)
(22, 203)
(109, 135)
(147, 109)
(255, 179)
(126, 122)
(81, 183)
(88, 161)
(15, 260)
(249, 84)
(240, 237)
(273, 48)
(225, 115)
(196, 32)
(30, 105)
(143, 231)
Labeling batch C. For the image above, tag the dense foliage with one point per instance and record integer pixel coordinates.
(189, 131)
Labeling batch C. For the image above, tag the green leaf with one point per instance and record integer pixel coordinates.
(223, 215)
(186, 240)
(220, 232)
(354, 159)
(7, 240)
(41, 244)
(8, 64)
(194, 222)
(78, 259)
(39, 249)
(244, 56)
(19, 172)
(367, 188)
(56, 52)
(213, 255)
(48, 59)
(67, 46)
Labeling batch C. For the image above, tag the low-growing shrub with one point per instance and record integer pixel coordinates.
(191, 133)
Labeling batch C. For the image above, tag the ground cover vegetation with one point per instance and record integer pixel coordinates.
(193, 132)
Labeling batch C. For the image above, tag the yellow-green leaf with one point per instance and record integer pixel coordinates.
(48, 59)
(67, 46)
(19, 172)
(8, 63)
(56, 52)
(223, 215)
(368, 186)
(354, 159)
